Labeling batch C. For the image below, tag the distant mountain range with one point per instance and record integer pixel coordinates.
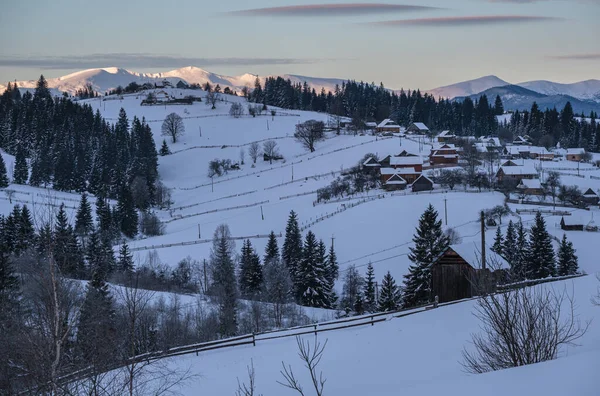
(584, 95)
(105, 79)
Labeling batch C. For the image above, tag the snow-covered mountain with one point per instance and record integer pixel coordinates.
(105, 79)
(467, 88)
(585, 90)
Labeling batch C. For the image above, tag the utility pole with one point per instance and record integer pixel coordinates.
(261, 212)
(199, 234)
(446, 209)
(292, 172)
(332, 240)
(482, 240)
(212, 184)
(376, 292)
(205, 277)
(200, 130)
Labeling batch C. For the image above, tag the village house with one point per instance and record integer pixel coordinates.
(417, 128)
(510, 171)
(445, 154)
(408, 174)
(388, 125)
(386, 173)
(530, 187)
(578, 223)
(162, 96)
(521, 141)
(540, 153)
(371, 163)
(575, 154)
(407, 161)
(395, 183)
(423, 183)
(446, 137)
(590, 197)
(370, 126)
(459, 273)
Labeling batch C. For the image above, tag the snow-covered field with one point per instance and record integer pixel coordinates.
(418, 354)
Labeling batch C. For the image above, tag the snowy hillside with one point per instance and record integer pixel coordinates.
(105, 79)
(588, 90)
(467, 88)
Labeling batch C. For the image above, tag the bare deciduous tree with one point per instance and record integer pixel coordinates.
(236, 110)
(212, 98)
(311, 356)
(254, 151)
(173, 126)
(270, 149)
(524, 326)
(309, 132)
(247, 389)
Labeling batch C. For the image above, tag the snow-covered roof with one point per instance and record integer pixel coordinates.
(530, 184)
(407, 171)
(590, 193)
(387, 123)
(395, 161)
(388, 171)
(490, 141)
(585, 220)
(445, 134)
(444, 146)
(575, 151)
(371, 124)
(539, 150)
(371, 162)
(521, 139)
(396, 179)
(420, 126)
(423, 177)
(471, 253)
(519, 170)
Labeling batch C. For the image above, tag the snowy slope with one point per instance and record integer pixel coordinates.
(467, 88)
(105, 79)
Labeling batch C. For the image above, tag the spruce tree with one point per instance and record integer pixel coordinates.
(164, 149)
(332, 270)
(311, 279)
(369, 290)
(83, 220)
(125, 260)
(567, 260)
(127, 213)
(3, 175)
(223, 280)
(251, 274)
(21, 172)
(497, 247)
(540, 261)
(389, 298)
(291, 253)
(509, 246)
(272, 249)
(25, 231)
(430, 242)
(518, 267)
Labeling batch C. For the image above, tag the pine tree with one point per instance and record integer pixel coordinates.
(540, 261)
(127, 213)
(21, 172)
(125, 261)
(291, 253)
(223, 280)
(369, 290)
(311, 279)
(567, 260)
(251, 274)
(83, 220)
(430, 242)
(497, 247)
(498, 106)
(3, 175)
(272, 249)
(509, 246)
(389, 298)
(104, 219)
(100, 259)
(332, 270)
(164, 149)
(25, 231)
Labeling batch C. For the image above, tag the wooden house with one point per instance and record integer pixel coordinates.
(371, 163)
(590, 197)
(414, 162)
(445, 137)
(162, 96)
(182, 85)
(395, 183)
(575, 154)
(518, 172)
(417, 128)
(530, 187)
(578, 223)
(385, 162)
(408, 174)
(423, 183)
(458, 272)
(521, 141)
(386, 173)
(446, 154)
(388, 125)
(540, 153)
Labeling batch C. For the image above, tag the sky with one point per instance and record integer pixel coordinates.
(404, 44)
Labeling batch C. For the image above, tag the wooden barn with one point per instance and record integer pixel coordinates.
(578, 223)
(395, 183)
(457, 273)
(417, 128)
(590, 197)
(423, 183)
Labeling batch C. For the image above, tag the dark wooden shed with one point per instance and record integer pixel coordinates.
(572, 224)
(423, 183)
(452, 277)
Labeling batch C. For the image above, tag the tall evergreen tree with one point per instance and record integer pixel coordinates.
(272, 249)
(567, 260)
(497, 247)
(519, 266)
(21, 172)
(369, 290)
(3, 175)
(509, 246)
(389, 298)
(311, 281)
(164, 149)
(251, 274)
(291, 253)
(430, 242)
(540, 258)
(125, 261)
(83, 220)
(332, 270)
(223, 280)
(127, 213)
(498, 106)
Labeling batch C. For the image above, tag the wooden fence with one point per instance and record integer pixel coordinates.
(198, 242)
(181, 217)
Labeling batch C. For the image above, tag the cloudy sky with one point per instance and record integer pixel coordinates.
(410, 44)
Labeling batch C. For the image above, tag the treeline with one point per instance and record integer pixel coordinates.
(549, 127)
(66, 146)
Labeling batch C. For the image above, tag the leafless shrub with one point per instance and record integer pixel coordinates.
(151, 225)
(520, 327)
(311, 356)
(254, 151)
(212, 98)
(453, 236)
(162, 196)
(270, 149)
(236, 110)
(250, 388)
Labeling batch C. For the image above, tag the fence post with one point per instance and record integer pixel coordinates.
(253, 340)
(315, 330)
(372, 323)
